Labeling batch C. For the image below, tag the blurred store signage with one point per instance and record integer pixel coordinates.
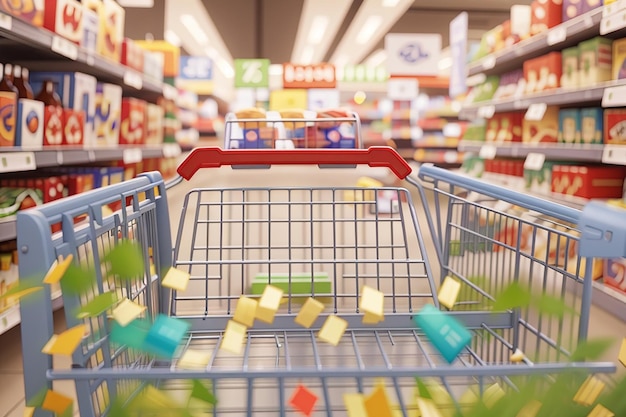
(309, 76)
(252, 73)
(196, 74)
(413, 53)
(363, 74)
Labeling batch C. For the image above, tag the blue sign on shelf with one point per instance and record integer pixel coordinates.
(196, 68)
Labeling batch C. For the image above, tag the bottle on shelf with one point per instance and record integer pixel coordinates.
(20, 81)
(7, 80)
(48, 95)
(53, 114)
(8, 104)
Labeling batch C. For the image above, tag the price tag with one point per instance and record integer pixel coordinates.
(91, 61)
(452, 130)
(486, 112)
(132, 156)
(488, 151)
(133, 79)
(171, 150)
(17, 161)
(613, 23)
(612, 8)
(64, 47)
(91, 156)
(450, 157)
(6, 21)
(489, 62)
(614, 96)
(534, 161)
(588, 21)
(614, 154)
(557, 35)
(536, 111)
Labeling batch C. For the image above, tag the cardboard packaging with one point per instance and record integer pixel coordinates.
(132, 55)
(588, 5)
(133, 126)
(539, 181)
(73, 127)
(8, 104)
(91, 23)
(542, 131)
(588, 181)
(545, 15)
(570, 62)
(65, 18)
(487, 89)
(591, 125)
(30, 123)
(77, 92)
(153, 65)
(492, 128)
(571, 9)
(170, 53)
(108, 114)
(569, 126)
(615, 126)
(595, 61)
(619, 59)
(543, 73)
(510, 127)
(511, 85)
(53, 126)
(614, 274)
(154, 124)
(521, 16)
(110, 28)
(29, 11)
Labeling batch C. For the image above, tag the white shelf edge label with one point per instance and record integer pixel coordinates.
(614, 154)
(612, 8)
(614, 96)
(132, 156)
(64, 47)
(171, 150)
(17, 161)
(613, 22)
(91, 61)
(536, 111)
(488, 151)
(557, 35)
(450, 157)
(486, 112)
(534, 161)
(133, 79)
(6, 21)
(489, 62)
(588, 22)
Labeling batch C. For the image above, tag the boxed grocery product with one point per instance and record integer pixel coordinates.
(511, 84)
(615, 126)
(133, 125)
(29, 11)
(619, 59)
(77, 92)
(615, 273)
(170, 120)
(79, 182)
(53, 126)
(570, 62)
(492, 128)
(588, 181)
(521, 16)
(108, 113)
(588, 5)
(154, 124)
(169, 52)
(132, 55)
(539, 181)
(591, 125)
(510, 127)
(91, 24)
(543, 73)
(545, 15)
(487, 89)
(110, 29)
(569, 126)
(542, 131)
(595, 61)
(571, 9)
(30, 121)
(8, 104)
(65, 17)
(73, 127)
(153, 65)
(473, 165)
(475, 132)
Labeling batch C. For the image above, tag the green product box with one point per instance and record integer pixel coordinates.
(475, 132)
(596, 61)
(570, 62)
(592, 125)
(473, 165)
(486, 90)
(569, 126)
(539, 181)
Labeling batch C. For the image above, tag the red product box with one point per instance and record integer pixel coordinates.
(510, 127)
(111, 30)
(29, 11)
(79, 183)
(615, 273)
(133, 126)
(53, 126)
(492, 129)
(73, 127)
(588, 181)
(615, 126)
(53, 188)
(543, 73)
(132, 55)
(65, 17)
(545, 14)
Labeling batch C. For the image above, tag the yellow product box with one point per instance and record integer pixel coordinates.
(171, 55)
(619, 59)
(110, 28)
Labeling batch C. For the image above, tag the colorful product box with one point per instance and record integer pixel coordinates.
(110, 29)
(615, 126)
(154, 124)
(511, 85)
(569, 126)
(570, 60)
(487, 89)
(588, 181)
(521, 16)
(91, 23)
(596, 61)
(591, 125)
(510, 128)
(30, 123)
(53, 126)
(539, 181)
(545, 14)
(65, 18)
(132, 55)
(133, 126)
(619, 59)
(614, 274)
(492, 128)
(31, 11)
(8, 110)
(543, 73)
(571, 9)
(108, 114)
(73, 127)
(542, 131)
(588, 5)
(153, 63)
(169, 52)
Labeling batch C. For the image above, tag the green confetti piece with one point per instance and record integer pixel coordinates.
(78, 280)
(37, 399)
(125, 260)
(132, 335)
(69, 412)
(591, 349)
(422, 389)
(201, 392)
(97, 305)
(552, 306)
(22, 289)
(514, 296)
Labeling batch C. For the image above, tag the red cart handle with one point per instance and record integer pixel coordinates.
(214, 157)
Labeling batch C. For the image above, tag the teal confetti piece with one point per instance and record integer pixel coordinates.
(447, 334)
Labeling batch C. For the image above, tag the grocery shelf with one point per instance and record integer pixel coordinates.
(609, 300)
(11, 316)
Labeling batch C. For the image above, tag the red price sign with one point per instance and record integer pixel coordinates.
(309, 76)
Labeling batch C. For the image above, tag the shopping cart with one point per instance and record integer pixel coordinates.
(324, 242)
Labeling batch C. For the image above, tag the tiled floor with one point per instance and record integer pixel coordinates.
(11, 374)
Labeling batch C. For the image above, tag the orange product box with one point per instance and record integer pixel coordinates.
(110, 28)
(8, 121)
(493, 127)
(543, 73)
(171, 55)
(132, 55)
(615, 126)
(31, 11)
(53, 126)
(73, 127)
(133, 122)
(545, 130)
(65, 18)
(545, 14)
(510, 129)
(614, 274)
(588, 181)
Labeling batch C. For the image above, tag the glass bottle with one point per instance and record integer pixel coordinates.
(6, 84)
(48, 95)
(20, 81)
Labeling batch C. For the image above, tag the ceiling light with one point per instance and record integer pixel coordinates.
(317, 30)
(377, 58)
(276, 69)
(226, 68)
(172, 38)
(390, 3)
(307, 55)
(211, 52)
(369, 28)
(194, 28)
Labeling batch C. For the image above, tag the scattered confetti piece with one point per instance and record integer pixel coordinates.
(428, 408)
(447, 334)
(97, 305)
(29, 411)
(355, 405)
(165, 335)
(332, 330)
(57, 270)
(469, 397)
(176, 279)
(309, 312)
(269, 304)
(245, 312)
(589, 391)
(66, 342)
(78, 280)
(127, 311)
(234, 337)
(622, 352)
(377, 404)
(600, 411)
(372, 303)
(194, 359)
(369, 318)
(19, 292)
(125, 260)
(152, 398)
(530, 410)
(56, 402)
(303, 400)
(492, 395)
(201, 392)
(517, 356)
(448, 292)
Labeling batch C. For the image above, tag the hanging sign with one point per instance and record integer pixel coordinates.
(309, 76)
(458, 53)
(252, 73)
(413, 53)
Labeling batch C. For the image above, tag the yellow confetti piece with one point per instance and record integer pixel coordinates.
(332, 330)
(309, 313)
(377, 404)
(14, 296)
(57, 270)
(427, 408)
(152, 398)
(530, 410)
(29, 411)
(589, 391)
(449, 292)
(234, 337)
(369, 318)
(245, 312)
(492, 395)
(127, 311)
(56, 402)
(601, 411)
(66, 342)
(176, 279)
(517, 356)
(269, 304)
(372, 303)
(194, 359)
(355, 405)
(622, 352)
